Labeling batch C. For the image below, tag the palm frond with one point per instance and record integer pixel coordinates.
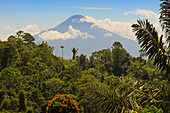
(150, 42)
(165, 17)
(114, 99)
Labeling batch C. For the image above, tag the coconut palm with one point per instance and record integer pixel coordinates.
(154, 46)
(62, 50)
(115, 99)
(165, 17)
(74, 50)
(127, 95)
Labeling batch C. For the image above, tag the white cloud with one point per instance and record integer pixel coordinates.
(146, 13)
(32, 28)
(124, 28)
(150, 15)
(108, 35)
(3, 37)
(121, 28)
(70, 34)
(7, 29)
(5, 32)
(95, 8)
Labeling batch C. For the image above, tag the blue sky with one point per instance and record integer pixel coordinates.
(16, 14)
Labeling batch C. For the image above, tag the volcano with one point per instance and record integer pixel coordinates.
(83, 35)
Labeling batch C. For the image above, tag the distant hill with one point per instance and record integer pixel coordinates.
(81, 34)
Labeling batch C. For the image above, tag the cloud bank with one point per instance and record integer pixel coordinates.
(120, 28)
(32, 28)
(146, 13)
(124, 28)
(150, 15)
(70, 34)
(5, 32)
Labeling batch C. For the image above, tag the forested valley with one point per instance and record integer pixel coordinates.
(108, 81)
(34, 80)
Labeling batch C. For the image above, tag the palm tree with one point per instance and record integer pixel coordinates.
(165, 17)
(62, 50)
(74, 50)
(116, 98)
(127, 95)
(154, 46)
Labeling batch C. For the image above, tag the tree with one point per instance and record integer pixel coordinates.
(28, 38)
(11, 38)
(82, 61)
(62, 104)
(119, 57)
(7, 53)
(10, 77)
(62, 50)
(154, 46)
(165, 18)
(74, 50)
(117, 45)
(19, 34)
(117, 98)
(22, 105)
(102, 60)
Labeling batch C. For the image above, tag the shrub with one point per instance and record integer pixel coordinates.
(62, 104)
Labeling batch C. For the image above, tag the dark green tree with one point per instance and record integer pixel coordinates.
(11, 38)
(10, 77)
(119, 57)
(7, 53)
(22, 106)
(28, 38)
(19, 34)
(82, 62)
(74, 50)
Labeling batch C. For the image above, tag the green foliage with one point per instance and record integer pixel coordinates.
(109, 80)
(10, 104)
(120, 58)
(115, 98)
(10, 77)
(82, 61)
(152, 109)
(154, 46)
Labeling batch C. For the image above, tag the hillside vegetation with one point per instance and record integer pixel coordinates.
(109, 81)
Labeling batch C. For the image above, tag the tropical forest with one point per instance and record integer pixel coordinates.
(35, 80)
